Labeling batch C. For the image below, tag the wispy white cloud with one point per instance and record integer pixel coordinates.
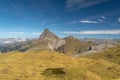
(49, 20)
(94, 32)
(36, 33)
(103, 17)
(75, 22)
(80, 4)
(106, 14)
(118, 19)
(65, 23)
(78, 21)
(100, 20)
(15, 32)
(19, 34)
(88, 21)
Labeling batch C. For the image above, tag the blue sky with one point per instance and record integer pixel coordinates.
(81, 18)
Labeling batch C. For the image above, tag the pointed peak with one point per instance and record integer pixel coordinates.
(48, 34)
(46, 30)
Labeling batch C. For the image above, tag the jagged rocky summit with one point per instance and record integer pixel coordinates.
(49, 40)
(48, 35)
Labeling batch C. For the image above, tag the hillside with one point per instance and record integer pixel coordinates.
(111, 54)
(49, 65)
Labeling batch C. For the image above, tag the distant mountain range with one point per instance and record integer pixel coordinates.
(48, 40)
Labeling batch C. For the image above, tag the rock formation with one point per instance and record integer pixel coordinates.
(49, 40)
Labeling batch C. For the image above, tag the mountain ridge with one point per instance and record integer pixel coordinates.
(68, 45)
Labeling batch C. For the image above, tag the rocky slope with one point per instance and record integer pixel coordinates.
(73, 46)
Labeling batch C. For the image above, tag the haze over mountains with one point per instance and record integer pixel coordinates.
(49, 41)
(11, 40)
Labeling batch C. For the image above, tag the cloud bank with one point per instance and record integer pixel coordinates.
(36, 33)
(94, 32)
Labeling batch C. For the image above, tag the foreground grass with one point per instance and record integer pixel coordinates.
(33, 64)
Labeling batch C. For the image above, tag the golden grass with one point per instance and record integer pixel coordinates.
(31, 65)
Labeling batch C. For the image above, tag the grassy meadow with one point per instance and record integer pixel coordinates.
(49, 65)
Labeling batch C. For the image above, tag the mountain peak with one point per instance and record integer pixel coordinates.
(46, 30)
(48, 40)
(48, 34)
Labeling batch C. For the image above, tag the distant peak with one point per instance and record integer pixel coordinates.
(71, 37)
